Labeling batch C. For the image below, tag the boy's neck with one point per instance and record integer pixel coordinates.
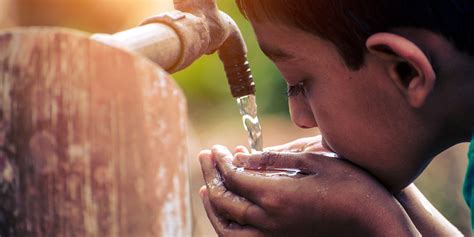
(455, 97)
(460, 116)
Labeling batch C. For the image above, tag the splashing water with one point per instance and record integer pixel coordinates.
(248, 110)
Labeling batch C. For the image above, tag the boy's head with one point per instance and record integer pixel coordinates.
(389, 83)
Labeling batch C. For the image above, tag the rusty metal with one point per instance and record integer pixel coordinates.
(92, 140)
(198, 28)
(93, 137)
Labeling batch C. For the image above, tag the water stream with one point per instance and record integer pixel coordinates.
(248, 110)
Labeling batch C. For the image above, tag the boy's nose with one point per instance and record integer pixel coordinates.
(301, 113)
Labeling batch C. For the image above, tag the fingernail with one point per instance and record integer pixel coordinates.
(202, 192)
(241, 159)
(204, 154)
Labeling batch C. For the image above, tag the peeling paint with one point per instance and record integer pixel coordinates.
(171, 213)
(102, 151)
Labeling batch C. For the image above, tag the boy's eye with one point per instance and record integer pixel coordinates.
(295, 90)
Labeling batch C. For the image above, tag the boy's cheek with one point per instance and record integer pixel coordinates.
(396, 182)
(394, 170)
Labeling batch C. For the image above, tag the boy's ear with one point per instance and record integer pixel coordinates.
(409, 67)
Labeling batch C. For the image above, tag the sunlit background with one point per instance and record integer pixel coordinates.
(213, 114)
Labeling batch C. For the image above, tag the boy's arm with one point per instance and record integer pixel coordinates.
(331, 197)
(428, 220)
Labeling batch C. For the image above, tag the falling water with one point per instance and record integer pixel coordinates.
(248, 110)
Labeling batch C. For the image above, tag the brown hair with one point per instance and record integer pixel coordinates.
(348, 23)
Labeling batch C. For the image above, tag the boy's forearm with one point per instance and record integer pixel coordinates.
(428, 220)
(386, 217)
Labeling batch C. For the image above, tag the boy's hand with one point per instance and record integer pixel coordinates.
(306, 144)
(331, 198)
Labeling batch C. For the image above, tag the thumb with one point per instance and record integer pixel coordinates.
(273, 160)
(306, 144)
(306, 162)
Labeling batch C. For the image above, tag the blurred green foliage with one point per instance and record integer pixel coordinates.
(205, 83)
(206, 89)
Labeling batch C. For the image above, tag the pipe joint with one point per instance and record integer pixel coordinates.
(193, 34)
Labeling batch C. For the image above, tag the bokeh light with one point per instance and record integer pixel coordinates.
(211, 108)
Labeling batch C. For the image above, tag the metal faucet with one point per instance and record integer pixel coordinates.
(177, 38)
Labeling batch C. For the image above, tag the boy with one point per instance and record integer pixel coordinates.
(388, 83)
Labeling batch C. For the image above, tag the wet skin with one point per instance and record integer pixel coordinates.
(352, 109)
(287, 205)
(384, 123)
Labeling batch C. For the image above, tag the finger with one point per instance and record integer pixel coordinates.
(294, 146)
(241, 149)
(308, 163)
(222, 226)
(309, 144)
(272, 160)
(211, 175)
(217, 222)
(238, 209)
(256, 187)
(223, 159)
(227, 203)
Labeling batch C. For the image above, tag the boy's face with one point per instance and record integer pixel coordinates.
(361, 114)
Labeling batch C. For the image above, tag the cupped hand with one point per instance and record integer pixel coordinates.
(331, 197)
(306, 144)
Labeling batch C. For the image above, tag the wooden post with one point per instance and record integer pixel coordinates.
(92, 140)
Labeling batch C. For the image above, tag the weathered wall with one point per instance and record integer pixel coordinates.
(92, 140)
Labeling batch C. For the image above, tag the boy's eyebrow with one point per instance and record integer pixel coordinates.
(276, 54)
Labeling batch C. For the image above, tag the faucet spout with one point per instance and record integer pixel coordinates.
(233, 54)
(176, 39)
(226, 38)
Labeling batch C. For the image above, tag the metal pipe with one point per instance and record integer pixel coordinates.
(144, 41)
(172, 40)
(233, 54)
(175, 39)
